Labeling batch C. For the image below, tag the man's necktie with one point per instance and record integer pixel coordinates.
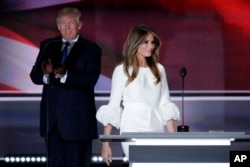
(65, 52)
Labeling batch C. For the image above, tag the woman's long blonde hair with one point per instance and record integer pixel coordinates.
(136, 37)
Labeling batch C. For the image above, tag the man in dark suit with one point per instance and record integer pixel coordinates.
(67, 109)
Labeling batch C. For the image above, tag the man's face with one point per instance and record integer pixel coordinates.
(69, 27)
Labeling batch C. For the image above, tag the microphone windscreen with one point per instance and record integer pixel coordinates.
(183, 72)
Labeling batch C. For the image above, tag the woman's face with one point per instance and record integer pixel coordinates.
(68, 27)
(147, 47)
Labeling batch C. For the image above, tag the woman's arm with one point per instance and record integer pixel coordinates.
(170, 126)
(106, 150)
(109, 115)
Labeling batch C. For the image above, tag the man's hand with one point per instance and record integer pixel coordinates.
(47, 67)
(60, 72)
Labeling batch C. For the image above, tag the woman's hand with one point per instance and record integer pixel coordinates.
(106, 153)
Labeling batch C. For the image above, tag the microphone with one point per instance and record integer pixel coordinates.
(183, 71)
(183, 128)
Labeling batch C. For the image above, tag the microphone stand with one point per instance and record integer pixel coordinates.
(183, 128)
(40, 59)
(47, 125)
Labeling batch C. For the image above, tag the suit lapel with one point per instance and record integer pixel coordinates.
(74, 55)
(55, 54)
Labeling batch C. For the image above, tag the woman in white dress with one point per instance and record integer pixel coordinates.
(139, 100)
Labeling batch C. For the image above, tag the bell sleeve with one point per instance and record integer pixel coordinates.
(111, 113)
(168, 109)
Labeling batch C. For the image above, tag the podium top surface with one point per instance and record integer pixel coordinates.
(131, 136)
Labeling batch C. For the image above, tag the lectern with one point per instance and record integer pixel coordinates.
(186, 149)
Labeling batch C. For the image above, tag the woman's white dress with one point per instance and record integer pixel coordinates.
(141, 106)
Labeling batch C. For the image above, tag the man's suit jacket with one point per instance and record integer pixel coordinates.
(71, 105)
